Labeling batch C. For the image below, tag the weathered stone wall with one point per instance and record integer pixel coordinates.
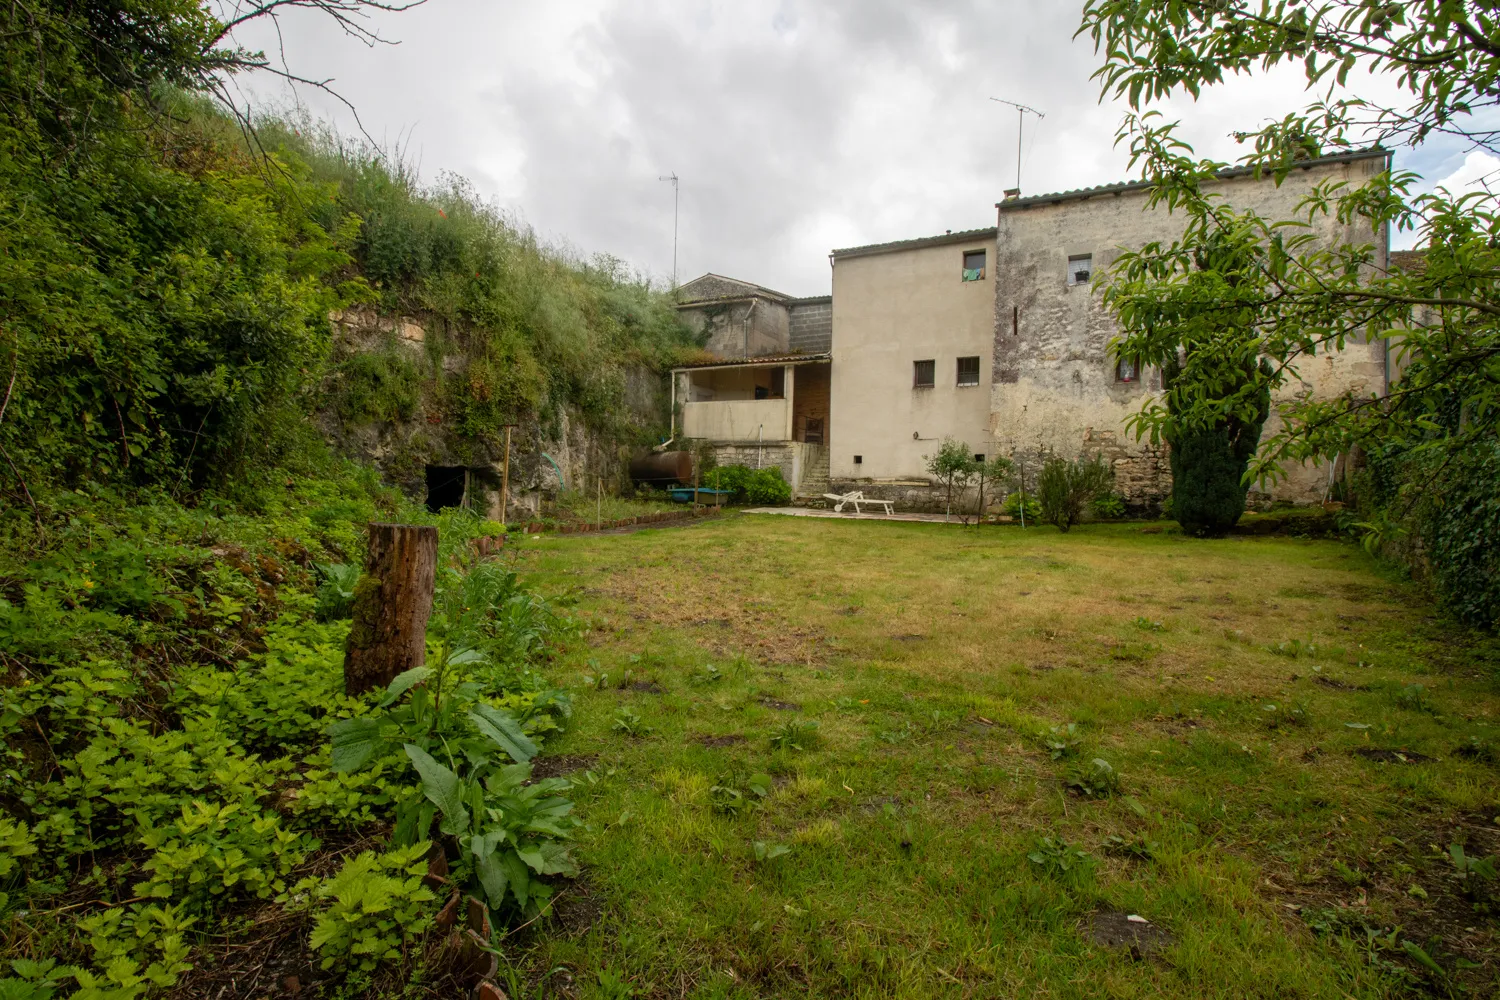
(784, 455)
(745, 328)
(402, 450)
(1055, 388)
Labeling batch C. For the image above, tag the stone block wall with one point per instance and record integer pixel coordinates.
(812, 325)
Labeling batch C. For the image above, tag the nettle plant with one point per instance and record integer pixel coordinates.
(471, 757)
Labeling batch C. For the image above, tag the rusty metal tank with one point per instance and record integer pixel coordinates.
(662, 468)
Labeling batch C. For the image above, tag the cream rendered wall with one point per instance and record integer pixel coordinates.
(1054, 388)
(891, 309)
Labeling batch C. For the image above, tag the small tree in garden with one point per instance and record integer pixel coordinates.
(1065, 488)
(953, 466)
(993, 473)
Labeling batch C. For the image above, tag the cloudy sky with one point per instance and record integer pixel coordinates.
(794, 127)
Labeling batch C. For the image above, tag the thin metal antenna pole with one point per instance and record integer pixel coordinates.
(1021, 111)
(673, 178)
(1020, 125)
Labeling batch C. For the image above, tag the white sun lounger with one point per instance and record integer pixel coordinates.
(856, 498)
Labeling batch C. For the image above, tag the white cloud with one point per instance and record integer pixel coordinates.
(796, 126)
(1480, 171)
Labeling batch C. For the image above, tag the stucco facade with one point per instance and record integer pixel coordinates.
(895, 305)
(1057, 390)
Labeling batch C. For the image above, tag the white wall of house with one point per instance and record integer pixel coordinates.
(892, 308)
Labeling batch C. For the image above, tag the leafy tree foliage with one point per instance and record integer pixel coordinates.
(1303, 298)
(953, 467)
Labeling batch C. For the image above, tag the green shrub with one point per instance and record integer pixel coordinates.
(1108, 506)
(377, 386)
(1012, 507)
(734, 478)
(1449, 502)
(1065, 487)
(370, 909)
(767, 487)
(746, 485)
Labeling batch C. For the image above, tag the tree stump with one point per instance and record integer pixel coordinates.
(392, 602)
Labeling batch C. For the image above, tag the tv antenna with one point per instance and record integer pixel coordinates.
(673, 178)
(1021, 113)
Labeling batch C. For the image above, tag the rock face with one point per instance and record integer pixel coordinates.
(423, 451)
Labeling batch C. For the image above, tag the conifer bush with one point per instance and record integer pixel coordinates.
(1209, 462)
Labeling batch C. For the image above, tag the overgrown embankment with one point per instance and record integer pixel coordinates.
(166, 285)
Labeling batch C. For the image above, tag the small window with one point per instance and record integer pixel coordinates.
(974, 265)
(859, 459)
(924, 374)
(1080, 266)
(979, 458)
(968, 371)
(1127, 370)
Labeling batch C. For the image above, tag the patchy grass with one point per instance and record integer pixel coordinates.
(1277, 797)
(585, 508)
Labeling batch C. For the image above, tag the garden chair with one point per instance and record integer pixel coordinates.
(856, 498)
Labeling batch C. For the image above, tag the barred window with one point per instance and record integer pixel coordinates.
(968, 371)
(924, 374)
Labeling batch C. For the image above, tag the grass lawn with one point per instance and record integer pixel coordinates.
(1292, 742)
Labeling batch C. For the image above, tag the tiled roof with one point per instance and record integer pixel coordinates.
(1124, 186)
(751, 289)
(965, 236)
(778, 359)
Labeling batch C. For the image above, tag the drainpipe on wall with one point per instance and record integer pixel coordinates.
(745, 326)
(672, 424)
(760, 441)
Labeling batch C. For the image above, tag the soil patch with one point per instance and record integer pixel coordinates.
(648, 687)
(726, 622)
(718, 742)
(1336, 684)
(909, 637)
(561, 764)
(1311, 754)
(876, 805)
(780, 706)
(1113, 929)
(577, 909)
(1382, 756)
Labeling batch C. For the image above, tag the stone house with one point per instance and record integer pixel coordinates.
(1056, 387)
(761, 396)
(995, 337)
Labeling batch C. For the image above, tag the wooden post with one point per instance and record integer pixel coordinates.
(392, 602)
(505, 480)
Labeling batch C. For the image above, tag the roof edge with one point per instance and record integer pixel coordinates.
(1123, 187)
(870, 249)
(775, 359)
